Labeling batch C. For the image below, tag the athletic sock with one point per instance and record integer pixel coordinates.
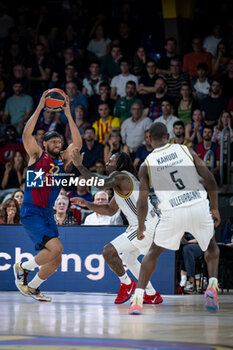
(213, 282)
(139, 292)
(35, 282)
(150, 289)
(125, 279)
(183, 280)
(30, 264)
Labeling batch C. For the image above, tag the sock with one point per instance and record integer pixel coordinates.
(35, 282)
(125, 279)
(139, 292)
(30, 264)
(150, 289)
(213, 282)
(183, 280)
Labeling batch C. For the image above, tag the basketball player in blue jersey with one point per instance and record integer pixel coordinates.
(45, 169)
(126, 186)
(174, 172)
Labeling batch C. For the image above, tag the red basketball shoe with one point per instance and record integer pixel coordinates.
(125, 292)
(152, 299)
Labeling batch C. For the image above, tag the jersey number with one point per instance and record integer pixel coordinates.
(178, 182)
(54, 169)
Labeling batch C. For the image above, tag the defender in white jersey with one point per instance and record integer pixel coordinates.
(126, 191)
(174, 172)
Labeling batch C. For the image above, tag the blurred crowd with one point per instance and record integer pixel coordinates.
(118, 84)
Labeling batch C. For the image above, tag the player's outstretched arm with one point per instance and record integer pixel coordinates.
(76, 137)
(102, 184)
(142, 202)
(102, 209)
(210, 185)
(29, 142)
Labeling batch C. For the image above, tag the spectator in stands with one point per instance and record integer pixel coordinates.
(179, 134)
(49, 120)
(110, 66)
(167, 117)
(118, 82)
(198, 55)
(220, 62)
(18, 107)
(11, 145)
(82, 191)
(133, 128)
(63, 216)
(170, 52)
(18, 195)
(39, 136)
(227, 80)
(190, 250)
(80, 121)
(206, 145)
(146, 86)
(186, 104)
(194, 129)
(143, 151)
(122, 109)
(100, 172)
(19, 74)
(106, 123)
(201, 84)
(92, 82)
(154, 110)
(69, 75)
(175, 79)
(113, 144)
(211, 42)
(139, 61)
(15, 171)
(224, 120)
(126, 39)
(10, 212)
(92, 149)
(96, 219)
(214, 104)
(75, 98)
(68, 59)
(103, 96)
(39, 70)
(99, 46)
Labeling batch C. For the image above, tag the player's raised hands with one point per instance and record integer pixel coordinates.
(76, 157)
(42, 99)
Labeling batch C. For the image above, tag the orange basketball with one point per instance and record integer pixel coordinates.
(55, 99)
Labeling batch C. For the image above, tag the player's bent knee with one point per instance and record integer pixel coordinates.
(108, 251)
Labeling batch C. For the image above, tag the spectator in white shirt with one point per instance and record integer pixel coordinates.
(118, 82)
(167, 117)
(132, 129)
(96, 219)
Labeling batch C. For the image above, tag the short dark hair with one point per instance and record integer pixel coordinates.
(104, 84)
(158, 131)
(178, 123)
(125, 60)
(208, 127)
(89, 128)
(203, 65)
(131, 82)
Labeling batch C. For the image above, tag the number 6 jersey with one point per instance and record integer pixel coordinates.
(174, 177)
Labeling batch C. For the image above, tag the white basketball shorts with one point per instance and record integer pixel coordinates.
(195, 219)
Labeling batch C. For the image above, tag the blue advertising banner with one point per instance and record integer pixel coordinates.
(83, 268)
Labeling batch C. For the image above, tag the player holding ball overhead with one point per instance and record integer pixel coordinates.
(44, 167)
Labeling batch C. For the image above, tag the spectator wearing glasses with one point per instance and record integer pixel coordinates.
(146, 86)
(175, 79)
(63, 216)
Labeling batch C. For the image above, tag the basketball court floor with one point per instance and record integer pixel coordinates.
(92, 321)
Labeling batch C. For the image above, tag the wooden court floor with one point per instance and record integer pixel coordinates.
(180, 319)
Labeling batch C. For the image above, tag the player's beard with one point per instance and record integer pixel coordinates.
(53, 153)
